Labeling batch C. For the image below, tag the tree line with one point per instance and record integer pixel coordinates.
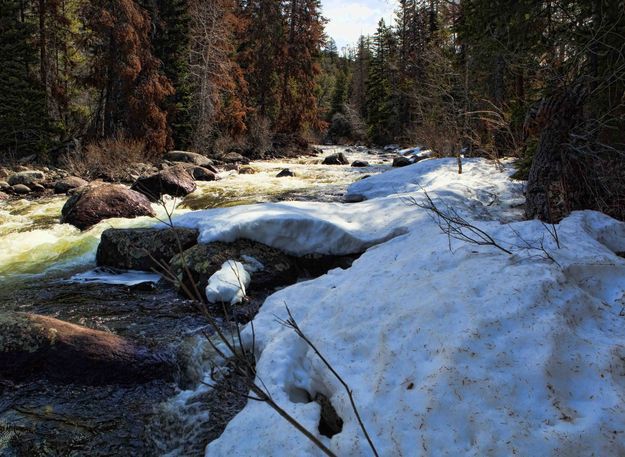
(183, 73)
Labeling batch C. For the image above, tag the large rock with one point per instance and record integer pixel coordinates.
(27, 178)
(34, 346)
(336, 159)
(360, 164)
(66, 184)
(203, 260)
(188, 157)
(175, 181)
(96, 202)
(144, 248)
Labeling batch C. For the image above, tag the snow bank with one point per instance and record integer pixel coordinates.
(333, 228)
(470, 352)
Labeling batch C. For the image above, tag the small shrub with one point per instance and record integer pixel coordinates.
(109, 159)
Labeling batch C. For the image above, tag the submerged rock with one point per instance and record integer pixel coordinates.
(96, 202)
(247, 170)
(188, 157)
(39, 346)
(176, 181)
(66, 184)
(144, 248)
(204, 260)
(336, 159)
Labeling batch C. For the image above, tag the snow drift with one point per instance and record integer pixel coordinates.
(468, 351)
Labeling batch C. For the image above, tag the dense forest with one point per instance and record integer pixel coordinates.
(478, 77)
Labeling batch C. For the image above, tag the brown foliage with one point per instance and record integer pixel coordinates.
(126, 73)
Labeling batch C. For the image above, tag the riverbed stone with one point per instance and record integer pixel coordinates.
(203, 260)
(36, 187)
(98, 201)
(175, 181)
(4, 185)
(203, 174)
(20, 189)
(336, 159)
(35, 346)
(286, 173)
(71, 182)
(188, 157)
(27, 178)
(401, 162)
(233, 157)
(360, 164)
(144, 248)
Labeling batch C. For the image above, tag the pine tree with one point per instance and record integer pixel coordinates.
(298, 105)
(25, 127)
(381, 107)
(171, 46)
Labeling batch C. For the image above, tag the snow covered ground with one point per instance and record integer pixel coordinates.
(468, 351)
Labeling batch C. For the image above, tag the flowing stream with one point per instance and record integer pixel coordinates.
(38, 256)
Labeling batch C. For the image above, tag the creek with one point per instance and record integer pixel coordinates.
(40, 263)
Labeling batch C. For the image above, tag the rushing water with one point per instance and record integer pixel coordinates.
(38, 255)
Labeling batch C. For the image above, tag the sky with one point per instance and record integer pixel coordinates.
(351, 18)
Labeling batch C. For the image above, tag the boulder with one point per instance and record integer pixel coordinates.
(202, 174)
(27, 178)
(4, 185)
(233, 157)
(203, 260)
(175, 181)
(285, 173)
(98, 201)
(34, 346)
(360, 164)
(188, 157)
(72, 182)
(247, 171)
(401, 161)
(36, 187)
(143, 248)
(336, 159)
(20, 189)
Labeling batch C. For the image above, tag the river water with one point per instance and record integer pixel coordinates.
(39, 256)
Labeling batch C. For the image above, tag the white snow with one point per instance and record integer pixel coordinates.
(229, 283)
(468, 351)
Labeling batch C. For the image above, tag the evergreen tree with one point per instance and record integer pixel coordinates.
(25, 126)
(380, 98)
(171, 46)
